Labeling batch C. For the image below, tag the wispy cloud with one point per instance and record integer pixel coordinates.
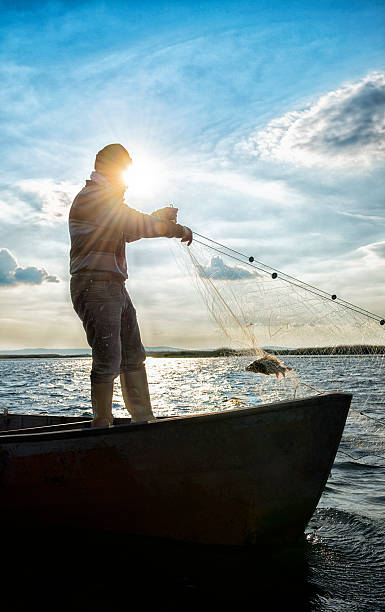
(13, 274)
(43, 201)
(376, 249)
(345, 127)
(249, 186)
(50, 199)
(362, 217)
(18, 94)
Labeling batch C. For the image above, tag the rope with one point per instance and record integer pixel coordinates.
(274, 272)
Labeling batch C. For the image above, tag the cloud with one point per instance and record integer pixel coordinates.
(345, 127)
(49, 198)
(42, 201)
(376, 249)
(12, 274)
(8, 265)
(247, 186)
(218, 270)
(369, 218)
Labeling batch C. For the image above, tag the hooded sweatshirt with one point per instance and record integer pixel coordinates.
(100, 224)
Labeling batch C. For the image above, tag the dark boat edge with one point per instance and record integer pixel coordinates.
(81, 428)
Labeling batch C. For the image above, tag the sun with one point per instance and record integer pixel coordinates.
(145, 177)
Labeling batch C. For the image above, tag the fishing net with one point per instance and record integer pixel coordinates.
(263, 312)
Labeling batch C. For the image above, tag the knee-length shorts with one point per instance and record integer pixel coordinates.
(110, 323)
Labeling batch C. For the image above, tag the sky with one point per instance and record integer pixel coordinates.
(262, 121)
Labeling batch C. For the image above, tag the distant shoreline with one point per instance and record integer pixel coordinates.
(354, 350)
(44, 356)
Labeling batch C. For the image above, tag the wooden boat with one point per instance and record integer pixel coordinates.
(234, 478)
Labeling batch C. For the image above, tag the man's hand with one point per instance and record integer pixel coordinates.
(168, 213)
(187, 236)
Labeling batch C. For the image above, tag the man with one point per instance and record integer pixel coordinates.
(100, 224)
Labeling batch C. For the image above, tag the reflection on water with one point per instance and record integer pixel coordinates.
(180, 385)
(177, 386)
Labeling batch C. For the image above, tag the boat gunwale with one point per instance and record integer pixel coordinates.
(61, 434)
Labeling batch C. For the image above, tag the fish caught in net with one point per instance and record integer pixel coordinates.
(268, 365)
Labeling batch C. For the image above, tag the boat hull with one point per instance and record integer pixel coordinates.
(231, 478)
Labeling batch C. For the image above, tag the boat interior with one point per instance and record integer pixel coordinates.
(27, 423)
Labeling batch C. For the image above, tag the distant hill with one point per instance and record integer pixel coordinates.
(354, 349)
(44, 351)
(77, 351)
(151, 349)
(163, 348)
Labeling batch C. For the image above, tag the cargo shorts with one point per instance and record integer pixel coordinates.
(109, 319)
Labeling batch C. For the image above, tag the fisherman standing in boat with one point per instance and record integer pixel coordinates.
(100, 224)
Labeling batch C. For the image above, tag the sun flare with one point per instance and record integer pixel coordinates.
(145, 177)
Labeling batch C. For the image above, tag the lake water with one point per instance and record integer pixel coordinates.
(344, 556)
